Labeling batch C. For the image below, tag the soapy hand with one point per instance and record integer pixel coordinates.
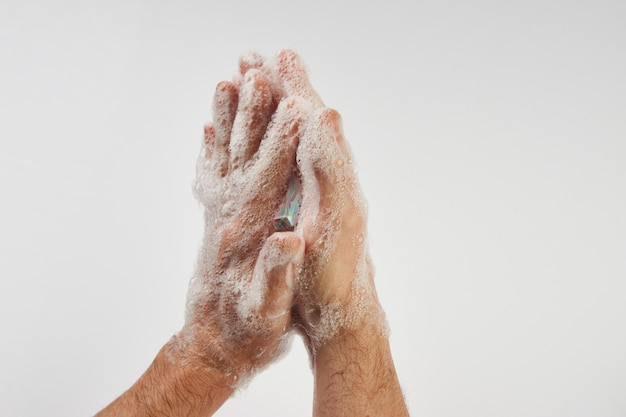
(240, 298)
(336, 305)
(335, 288)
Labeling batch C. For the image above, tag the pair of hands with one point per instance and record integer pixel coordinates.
(252, 286)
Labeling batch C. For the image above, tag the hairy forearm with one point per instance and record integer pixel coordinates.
(355, 376)
(175, 384)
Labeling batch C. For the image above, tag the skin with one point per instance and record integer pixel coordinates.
(267, 124)
(243, 172)
(352, 363)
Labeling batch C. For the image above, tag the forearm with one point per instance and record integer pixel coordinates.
(355, 376)
(175, 384)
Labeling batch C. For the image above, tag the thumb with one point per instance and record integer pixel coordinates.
(273, 279)
(283, 251)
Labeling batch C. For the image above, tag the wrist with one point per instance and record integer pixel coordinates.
(187, 382)
(326, 323)
(204, 358)
(200, 348)
(349, 344)
(354, 375)
(175, 384)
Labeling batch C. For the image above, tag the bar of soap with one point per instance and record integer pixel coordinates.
(287, 216)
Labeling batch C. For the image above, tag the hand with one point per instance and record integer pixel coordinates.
(240, 298)
(335, 282)
(336, 301)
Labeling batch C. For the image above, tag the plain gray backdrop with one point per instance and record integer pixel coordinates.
(491, 143)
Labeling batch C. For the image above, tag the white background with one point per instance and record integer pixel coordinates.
(491, 141)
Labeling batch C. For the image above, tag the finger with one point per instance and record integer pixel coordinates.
(253, 115)
(250, 60)
(295, 80)
(254, 60)
(224, 110)
(282, 251)
(276, 158)
(269, 294)
(325, 153)
(328, 179)
(329, 125)
(205, 184)
(208, 140)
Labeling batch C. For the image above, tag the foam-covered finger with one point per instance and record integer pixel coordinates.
(277, 153)
(323, 153)
(281, 252)
(330, 124)
(208, 142)
(250, 60)
(253, 115)
(269, 294)
(204, 186)
(225, 103)
(294, 77)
